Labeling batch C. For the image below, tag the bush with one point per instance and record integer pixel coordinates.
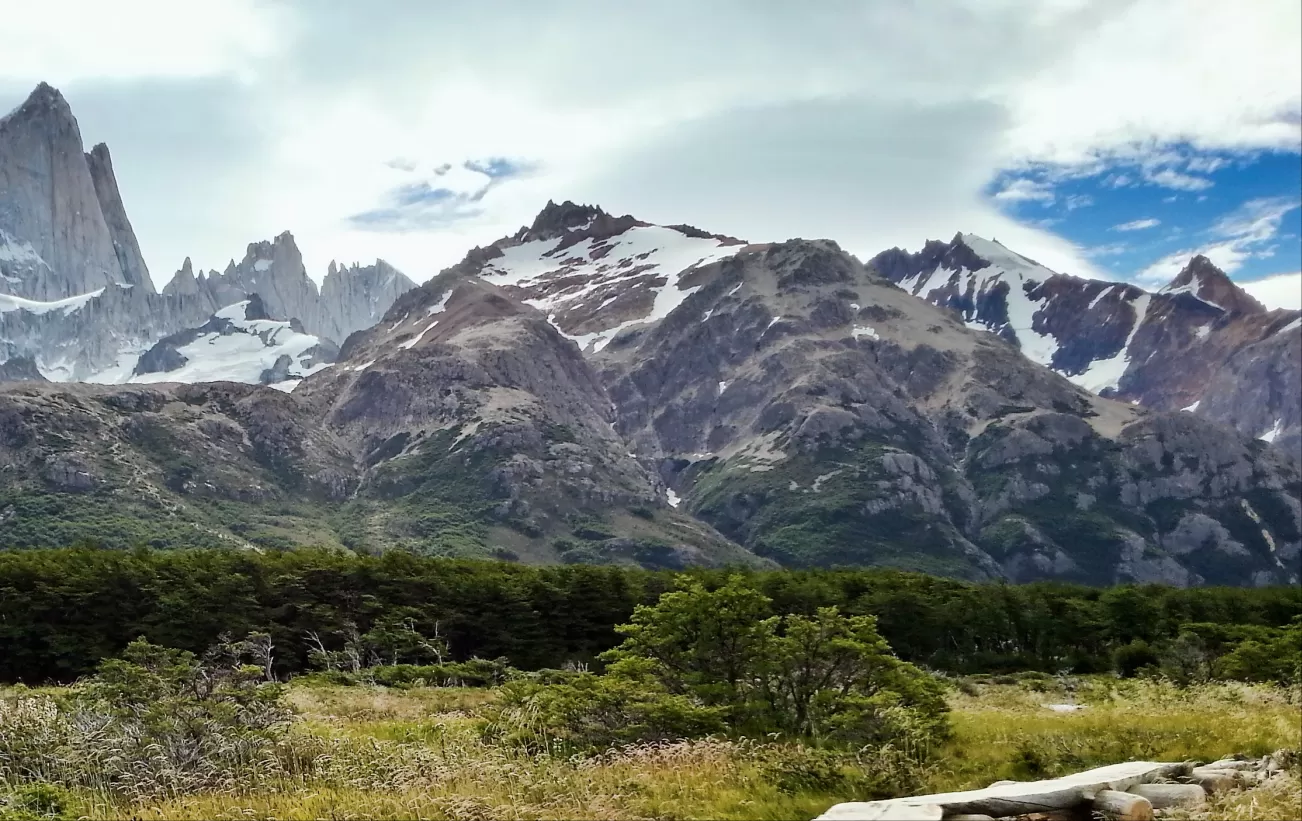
(36, 802)
(824, 677)
(868, 775)
(589, 713)
(1129, 659)
(154, 721)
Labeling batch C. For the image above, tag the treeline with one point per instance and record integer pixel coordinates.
(63, 611)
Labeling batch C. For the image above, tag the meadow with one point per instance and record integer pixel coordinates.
(367, 751)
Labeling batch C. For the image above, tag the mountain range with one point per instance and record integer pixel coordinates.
(77, 298)
(600, 389)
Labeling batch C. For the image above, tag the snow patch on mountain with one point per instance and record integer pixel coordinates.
(557, 278)
(72, 303)
(232, 348)
(1103, 374)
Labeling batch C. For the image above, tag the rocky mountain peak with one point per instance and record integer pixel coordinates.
(44, 103)
(554, 220)
(1202, 279)
(63, 230)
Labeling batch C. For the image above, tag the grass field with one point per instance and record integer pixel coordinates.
(398, 754)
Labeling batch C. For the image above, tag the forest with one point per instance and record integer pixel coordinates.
(63, 612)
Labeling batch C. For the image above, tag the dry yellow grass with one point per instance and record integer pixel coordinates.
(416, 754)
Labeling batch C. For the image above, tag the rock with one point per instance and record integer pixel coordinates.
(21, 369)
(355, 298)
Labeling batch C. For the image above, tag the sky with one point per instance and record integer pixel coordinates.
(1112, 138)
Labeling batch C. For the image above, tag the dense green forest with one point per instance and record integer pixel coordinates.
(63, 611)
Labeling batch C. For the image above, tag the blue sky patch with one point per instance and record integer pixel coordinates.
(1141, 219)
(440, 196)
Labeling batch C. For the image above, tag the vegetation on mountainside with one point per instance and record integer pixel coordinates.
(64, 611)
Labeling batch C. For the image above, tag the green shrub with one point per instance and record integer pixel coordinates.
(36, 802)
(1129, 659)
(590, 713)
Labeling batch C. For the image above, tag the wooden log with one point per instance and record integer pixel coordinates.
(1162, 796)
(1234, 764)
(1214, 781)
(1122, 806)
(1049, 796)
(883, 811)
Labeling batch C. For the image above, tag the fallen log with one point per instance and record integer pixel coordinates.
(1163, 796)
(1021, 798)
(1122, 806)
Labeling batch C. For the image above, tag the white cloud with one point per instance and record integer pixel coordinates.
(232, 123)
(1021, 190)
(1112, 250)
(66, 41)
(1235, 238)
(1170, 178)
(1137, 225)
(1079, 201)
(1278, 291)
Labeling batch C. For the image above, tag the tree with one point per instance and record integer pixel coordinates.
(822, 677)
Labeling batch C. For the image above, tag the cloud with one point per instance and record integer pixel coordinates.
(70, 41)
(1115, 249)
(1278, 291)
(1022, 190)
(1235, 237)
(1078, 201)
(1137, 225)
(1170, 178)
(304, 116)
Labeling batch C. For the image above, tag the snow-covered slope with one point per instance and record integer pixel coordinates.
(1202, 342)
(72, 303)
(239, 344)
(593, 275)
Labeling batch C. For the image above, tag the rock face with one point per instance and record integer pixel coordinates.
(76, 296)
(819, 416)
(62, 228)
(355, 298)
(20, 369)
(1200, 344)
(466, 395)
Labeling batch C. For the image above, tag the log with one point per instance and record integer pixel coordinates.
(883, 811)
(1122, 806)
(1162, 796)
(1233, 764)
(1214, 781)
(1017, 798)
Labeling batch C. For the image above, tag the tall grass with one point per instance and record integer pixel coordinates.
(1008, 731)
(365, 752)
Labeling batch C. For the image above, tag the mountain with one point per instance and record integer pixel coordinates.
(356, 297)
(593, 274)
(241, 343)
(1200, 344)
(755, 404)
(63, 231)
(76, 297)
